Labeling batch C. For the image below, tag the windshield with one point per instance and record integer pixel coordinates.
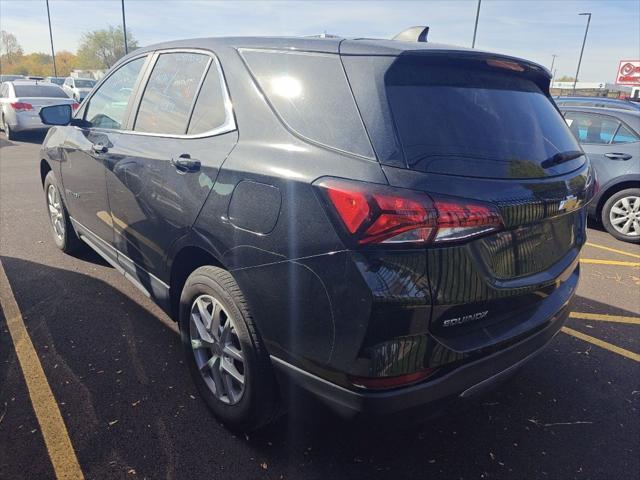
(84, 83)
(49, 91)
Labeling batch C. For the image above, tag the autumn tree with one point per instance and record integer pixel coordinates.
(103, 48)
(10, 49)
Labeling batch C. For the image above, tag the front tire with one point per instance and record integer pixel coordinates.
(621, 215)
(226, 357)
(64, 235)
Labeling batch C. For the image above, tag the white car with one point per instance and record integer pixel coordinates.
(78, 88)
(21, 101)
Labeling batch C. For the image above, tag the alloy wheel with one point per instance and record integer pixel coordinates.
(625, 216)
(217, 350)
(55, 211)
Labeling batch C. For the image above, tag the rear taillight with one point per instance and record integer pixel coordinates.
(75, 106)
(378, 214)
(20, 106)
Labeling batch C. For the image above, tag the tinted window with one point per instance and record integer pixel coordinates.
(312, 96)
(209, 112)
(168, 97)
(625, 135)
(84, 83)
(588, 128)
(51, 91)
(108, 105)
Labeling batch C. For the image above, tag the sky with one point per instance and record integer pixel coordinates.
(534, 30)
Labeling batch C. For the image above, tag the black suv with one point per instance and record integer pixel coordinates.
(389, 225)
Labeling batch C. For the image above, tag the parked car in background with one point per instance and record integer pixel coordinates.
(57, 80)
(597, 102)
(78, 88)
(611, 139)
(277, 197)
(21, 101)
(9, 78)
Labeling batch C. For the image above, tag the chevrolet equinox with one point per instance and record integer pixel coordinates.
(388, 225)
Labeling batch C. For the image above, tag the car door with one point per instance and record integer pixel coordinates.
(161, 172)
(85, 153)
(609, 144)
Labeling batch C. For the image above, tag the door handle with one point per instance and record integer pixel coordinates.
(99, 148)
(617, 156)
(184, 163)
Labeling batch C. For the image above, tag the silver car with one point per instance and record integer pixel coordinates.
(21, 101)
(78, 88)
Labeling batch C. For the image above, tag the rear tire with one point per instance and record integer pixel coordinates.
(622, 209)
(11, 135)
(212, 303)
(64, 236)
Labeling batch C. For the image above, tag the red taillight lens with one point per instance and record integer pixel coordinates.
(375, 214)
(75, 106)
(19, 106)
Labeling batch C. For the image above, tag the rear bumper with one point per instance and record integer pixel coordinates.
(24, 121)
(465, 381)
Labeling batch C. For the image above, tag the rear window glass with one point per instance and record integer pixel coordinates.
(84, 83)
(49, 91)
(311, 95)
(460, 117)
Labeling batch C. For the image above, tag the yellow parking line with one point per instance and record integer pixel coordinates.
(618, 263)
(605, 318)
(56, 438)
(602, 344)
(614, 250)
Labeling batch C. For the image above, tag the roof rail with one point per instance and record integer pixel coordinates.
(413, 34)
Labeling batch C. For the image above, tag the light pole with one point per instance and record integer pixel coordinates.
(53, 53)
(553, 61)
(124, 29)
(586, 30)
(475, 28)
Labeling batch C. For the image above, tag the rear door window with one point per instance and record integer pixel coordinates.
(625, 135)
(108, 105)
(210, 111)
(311, 95)
(592, 128)
(170, 92)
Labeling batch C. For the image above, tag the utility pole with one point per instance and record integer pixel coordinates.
(586, 30)
(475, 28)
(553, 61)
(124, 29)
(53, 53)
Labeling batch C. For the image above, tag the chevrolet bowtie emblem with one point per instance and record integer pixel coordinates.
(569, 203)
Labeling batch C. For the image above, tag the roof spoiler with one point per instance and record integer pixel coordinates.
(413, 34)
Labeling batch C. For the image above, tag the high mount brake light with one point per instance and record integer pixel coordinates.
(19, 106)
(378, 214)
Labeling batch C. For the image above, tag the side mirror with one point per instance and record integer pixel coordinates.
(56, 115)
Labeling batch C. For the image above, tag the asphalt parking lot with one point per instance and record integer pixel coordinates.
(113, 362)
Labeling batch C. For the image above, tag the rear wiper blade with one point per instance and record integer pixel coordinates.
(561, 157)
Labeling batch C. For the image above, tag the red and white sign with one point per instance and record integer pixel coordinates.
(628, 73)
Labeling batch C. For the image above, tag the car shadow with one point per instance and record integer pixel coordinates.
(115, 365)
(36, 137)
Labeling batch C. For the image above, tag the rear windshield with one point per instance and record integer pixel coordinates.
(49, 91)
(459, 120)
(84, 83)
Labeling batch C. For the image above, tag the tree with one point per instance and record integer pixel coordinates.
(10, 49)
(565, 78)
(103, 48)
(65, 62)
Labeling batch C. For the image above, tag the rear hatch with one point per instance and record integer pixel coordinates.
(482, 127)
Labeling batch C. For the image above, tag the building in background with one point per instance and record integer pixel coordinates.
(95, 74)
(591, 89)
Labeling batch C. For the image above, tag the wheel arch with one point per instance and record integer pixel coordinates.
(45, 168)
(187, 258)
(622, 184)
